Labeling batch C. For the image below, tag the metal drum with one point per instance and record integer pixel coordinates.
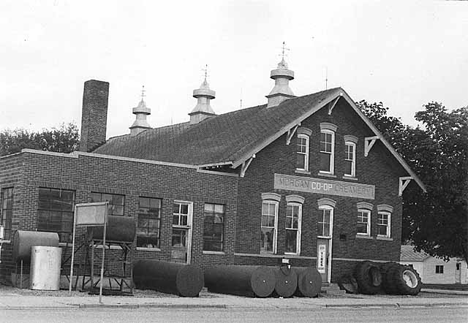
(45, 267)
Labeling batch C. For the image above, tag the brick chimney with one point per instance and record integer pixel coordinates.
(94, 114)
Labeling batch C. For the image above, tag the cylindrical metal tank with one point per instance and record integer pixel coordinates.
(241, 280)
(309, 281)
(168, 277)
(24, 240)
(45, 267)
(286, 281)
(119, 228)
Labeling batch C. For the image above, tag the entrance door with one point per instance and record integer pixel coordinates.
(322, 258)
(181, 232)
(458, 273)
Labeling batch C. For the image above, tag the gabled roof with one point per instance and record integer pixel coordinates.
(409, 254)
(232, 138)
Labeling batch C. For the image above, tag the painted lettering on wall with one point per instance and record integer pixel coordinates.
(321, 259)
(323, 186)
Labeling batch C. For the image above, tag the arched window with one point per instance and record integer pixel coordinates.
(327, 148)
(325, 220)
(293, 224)
(269, 223)
(303, 142)
(350, 156)
(364, 218)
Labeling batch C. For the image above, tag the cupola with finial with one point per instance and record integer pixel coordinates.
(141, 112)
(203, 108)
(282, 75)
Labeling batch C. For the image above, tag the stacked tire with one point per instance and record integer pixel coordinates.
(390, 278)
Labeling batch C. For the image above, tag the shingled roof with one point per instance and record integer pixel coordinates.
(409, 254)
(232, 138)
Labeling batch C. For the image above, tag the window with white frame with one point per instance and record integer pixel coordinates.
(303, 152)
(269, 223)
(293, 223)
(350, 155)
(364, 218)
(6, 211)
(384, 218)
(327, 148)
(325, 217)
(363, 222)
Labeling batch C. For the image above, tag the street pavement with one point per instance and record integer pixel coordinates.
(12, 298)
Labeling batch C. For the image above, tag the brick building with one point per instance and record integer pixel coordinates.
(306, 178)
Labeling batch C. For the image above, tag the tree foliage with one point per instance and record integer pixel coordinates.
(436, 221)
(64, 139)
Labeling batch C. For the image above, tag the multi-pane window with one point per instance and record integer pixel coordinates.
(327, 151)
(383, 224)
(55, 211)
(350, 159)
(180, 214)
(303, 152)
(293, 228)
(6, 211)
(213, 228)
(149, 222)
(363, 222)
(324, 223)
(116, 202)
(269, 226)
(439, 269)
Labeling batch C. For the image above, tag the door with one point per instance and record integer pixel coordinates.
(458, 273)
(322, 258)
(181, 232)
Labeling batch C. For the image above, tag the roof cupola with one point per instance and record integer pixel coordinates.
(141, 112)
(203, 108)
(282, 75)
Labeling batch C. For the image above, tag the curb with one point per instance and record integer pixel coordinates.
(137, 306)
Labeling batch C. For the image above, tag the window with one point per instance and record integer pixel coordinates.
(180, 214)
(324, 223)
(384, 220)
(458, 266)
(350, 159)
(55, 212)
(327, 147)
(303, 152)
(116, 202)
(439, 269)
(350, 155)
(269, 222)
(213, 227)
(363, 222)
(149, 222)
(293, 228)
(6, 211)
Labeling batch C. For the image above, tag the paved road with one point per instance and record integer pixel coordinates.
(117, 315)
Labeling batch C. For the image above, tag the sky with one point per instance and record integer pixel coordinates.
(402, 53)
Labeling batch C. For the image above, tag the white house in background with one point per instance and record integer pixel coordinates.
(435, 270)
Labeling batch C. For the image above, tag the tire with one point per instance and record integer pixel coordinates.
(348, 283)
(368, 277)
(406, 280)
(387, 282)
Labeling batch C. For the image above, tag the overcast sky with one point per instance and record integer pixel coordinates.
(403, 53)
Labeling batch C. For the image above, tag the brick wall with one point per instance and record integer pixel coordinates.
(379, 169)
(86, 173)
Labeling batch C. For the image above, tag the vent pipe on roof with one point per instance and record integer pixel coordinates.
(203, 108)
(141, 112)
(281, 91)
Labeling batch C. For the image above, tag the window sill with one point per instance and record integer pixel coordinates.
(326, 175)
(214, 252)
(5, 241)
(147, 249)
(352, 178)
(358, 236)
(324, 237)
(384, 238)
(302, 171)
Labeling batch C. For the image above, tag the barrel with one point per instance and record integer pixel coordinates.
(241, 280)
(24, 240)
(286, 281)
(45, 267)
(168, 277)
(309, 281)
(119, 228)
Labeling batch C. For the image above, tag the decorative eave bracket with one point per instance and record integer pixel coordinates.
(404, 181)
(331, 106)
(245, 165)
(368, 144)
(291, 133)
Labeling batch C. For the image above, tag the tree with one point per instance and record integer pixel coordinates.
(436, 221)
(64, 140)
